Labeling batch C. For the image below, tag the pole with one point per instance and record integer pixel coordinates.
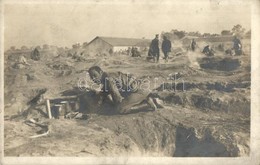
(48, 108)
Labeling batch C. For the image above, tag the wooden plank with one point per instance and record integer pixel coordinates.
(48, 108)
(63, 97)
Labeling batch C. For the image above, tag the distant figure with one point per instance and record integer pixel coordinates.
(208, 51)
(150, 55)
(237, 46)
(22, 60)
(193, 45)
(135, 52)
(35, 55)
(110, 51)
(121, 90)
(129, 51)
(21, 63)
(166, 48)
(138, 54)
(132, 51)
(154, 48)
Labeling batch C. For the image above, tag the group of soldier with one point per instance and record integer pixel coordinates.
(115, 86)
(124, 100)
(154, 50)
(166, 47)
(208, 50)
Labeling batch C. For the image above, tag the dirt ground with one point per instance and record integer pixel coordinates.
(210, 118)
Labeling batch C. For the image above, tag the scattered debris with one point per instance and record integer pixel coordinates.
(45, 128)
(40, 135)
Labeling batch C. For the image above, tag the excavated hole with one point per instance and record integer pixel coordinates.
(189, 145)
(226, 64)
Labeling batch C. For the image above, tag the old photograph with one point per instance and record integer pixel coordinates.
(127, 78)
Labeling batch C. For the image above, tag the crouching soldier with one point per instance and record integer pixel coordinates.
(208, 51)
(122, 90)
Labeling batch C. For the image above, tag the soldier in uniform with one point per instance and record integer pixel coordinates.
(193, 45)
(208, 51)
(122, 90)
(237, 46)
(166, 47)
(35, 55)
(154, 48)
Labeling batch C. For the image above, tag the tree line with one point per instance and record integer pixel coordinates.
(237, 30)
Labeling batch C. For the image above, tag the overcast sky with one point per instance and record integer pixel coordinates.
(65, 24)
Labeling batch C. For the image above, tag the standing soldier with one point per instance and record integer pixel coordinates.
(166, 48)
(154, 48)
(35, 55)
(133, 52)
(193, 45)
(237, 46)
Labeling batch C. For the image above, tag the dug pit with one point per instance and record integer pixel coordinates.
(215, 63)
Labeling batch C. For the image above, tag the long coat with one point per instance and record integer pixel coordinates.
(166, 46)
(154, 47)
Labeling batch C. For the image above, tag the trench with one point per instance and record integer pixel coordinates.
(189, 145)
(217, 96)
(226, 64)
(166, 135)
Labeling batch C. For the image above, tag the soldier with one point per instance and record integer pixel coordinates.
(21, 63)
(129, 51)
(133, 52)
(208, 51)
(237, 46)
(193, 45)
(137, 52)
(35, 55)
(121, 89)
(166, 48)
(22, 60)
(154, 48)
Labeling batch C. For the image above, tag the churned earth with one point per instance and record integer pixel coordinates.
(206, 109)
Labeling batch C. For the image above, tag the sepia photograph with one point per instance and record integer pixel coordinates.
(129, 80)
